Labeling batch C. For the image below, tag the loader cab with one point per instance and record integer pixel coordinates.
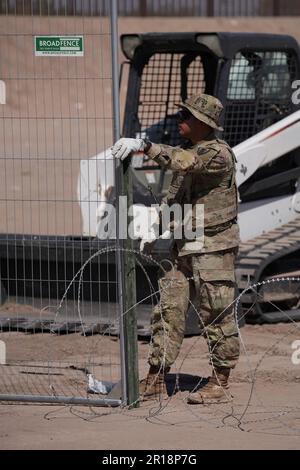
(252, 74)
(258, 92)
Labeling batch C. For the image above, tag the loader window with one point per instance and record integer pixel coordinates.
(266, 74)
(167, 79)
(241, 84)
(259, 92)
(276, 78)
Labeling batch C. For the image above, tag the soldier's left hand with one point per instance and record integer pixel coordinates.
(148, 240)
(125, 146)
(146, 246)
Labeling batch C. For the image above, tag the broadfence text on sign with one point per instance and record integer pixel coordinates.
(59, 46)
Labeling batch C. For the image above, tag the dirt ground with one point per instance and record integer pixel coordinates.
(264, 414)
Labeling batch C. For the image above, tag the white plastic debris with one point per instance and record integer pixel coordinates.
(99, 386)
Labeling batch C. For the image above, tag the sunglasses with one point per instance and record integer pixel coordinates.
(183, 115)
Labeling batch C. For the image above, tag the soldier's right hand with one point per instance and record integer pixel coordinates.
(125, 146)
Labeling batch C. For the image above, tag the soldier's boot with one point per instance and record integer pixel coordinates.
(154, 385)
(215, 391)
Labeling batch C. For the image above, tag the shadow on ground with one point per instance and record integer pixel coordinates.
(184, 383)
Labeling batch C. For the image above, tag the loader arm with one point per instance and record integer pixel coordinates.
(267, 146)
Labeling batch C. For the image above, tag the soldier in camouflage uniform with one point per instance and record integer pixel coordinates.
(203, 173)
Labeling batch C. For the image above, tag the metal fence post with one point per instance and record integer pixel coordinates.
(143, 8)
(210, 8)
(276, 7)
(125, 260)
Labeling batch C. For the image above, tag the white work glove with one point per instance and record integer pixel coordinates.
(124, 147)
(152, 235)
(147, 243)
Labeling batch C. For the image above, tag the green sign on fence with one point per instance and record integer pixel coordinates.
(59, 46)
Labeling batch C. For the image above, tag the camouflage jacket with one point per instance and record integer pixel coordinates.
(203, 173)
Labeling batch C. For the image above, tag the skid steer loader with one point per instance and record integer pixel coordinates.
(253, 75)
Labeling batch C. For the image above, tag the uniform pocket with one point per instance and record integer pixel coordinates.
(215, 266)
(229, 329)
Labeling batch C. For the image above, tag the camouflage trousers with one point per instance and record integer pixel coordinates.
(208, 282)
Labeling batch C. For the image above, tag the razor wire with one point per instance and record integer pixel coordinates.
(156, 411)
(235, 303)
